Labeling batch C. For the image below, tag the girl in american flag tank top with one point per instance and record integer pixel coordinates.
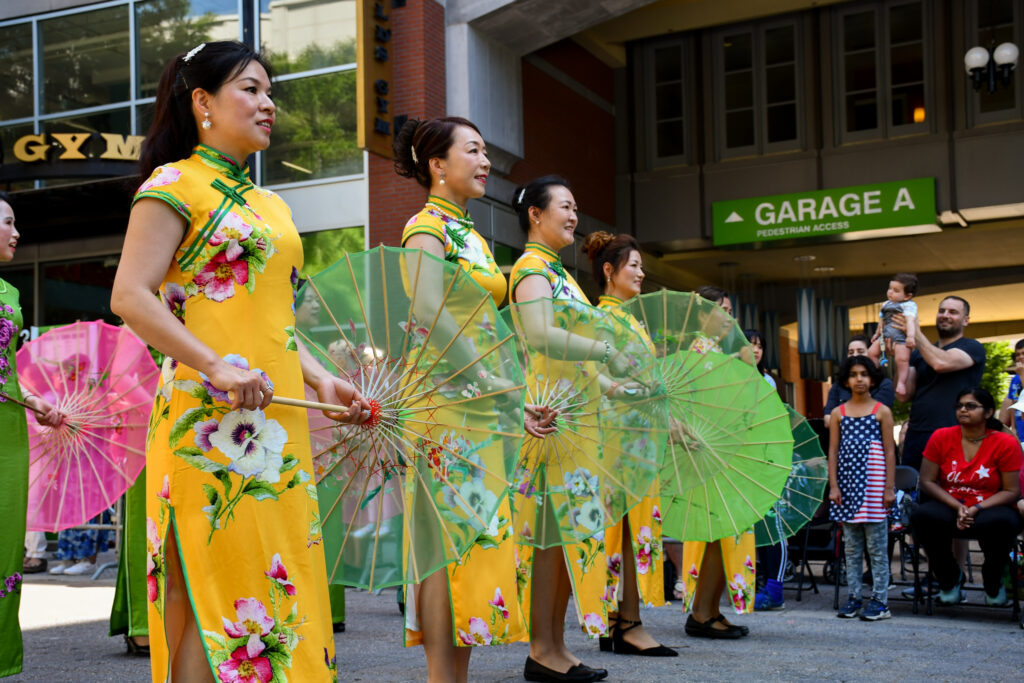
(861, 466)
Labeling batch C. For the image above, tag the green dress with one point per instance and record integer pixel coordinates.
(13, 484)
(129, 613)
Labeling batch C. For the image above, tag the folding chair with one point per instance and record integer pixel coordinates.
(828, 544)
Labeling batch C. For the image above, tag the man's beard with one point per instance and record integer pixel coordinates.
(949, 333)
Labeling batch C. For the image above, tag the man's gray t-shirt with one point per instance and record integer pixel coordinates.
(936, 391)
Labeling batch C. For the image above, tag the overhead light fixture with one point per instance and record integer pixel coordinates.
(804, 258)
(982, 64)
(823, 269)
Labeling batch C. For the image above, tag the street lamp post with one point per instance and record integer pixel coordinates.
(982, 64)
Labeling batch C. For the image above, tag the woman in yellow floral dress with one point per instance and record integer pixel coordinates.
(473, 602)
(636, 569)
(708, 569)
(237, 582)
(548, 214)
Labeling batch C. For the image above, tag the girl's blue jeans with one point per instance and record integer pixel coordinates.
(874, 536)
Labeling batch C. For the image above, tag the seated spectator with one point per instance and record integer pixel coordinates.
(883, 392)
(1008, 415)
(970, 474)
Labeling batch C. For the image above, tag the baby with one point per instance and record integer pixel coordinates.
(901, 290)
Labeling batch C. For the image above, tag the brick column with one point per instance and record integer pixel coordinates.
(419, 92)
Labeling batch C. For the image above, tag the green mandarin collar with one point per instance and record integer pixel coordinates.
(447, 206)
(224, 163)
(609, 299)
(549, 255)
(547, 252)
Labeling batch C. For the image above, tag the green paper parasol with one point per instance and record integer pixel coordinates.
(609, 442)
(740, 494)
(804, 489)
(410, 490)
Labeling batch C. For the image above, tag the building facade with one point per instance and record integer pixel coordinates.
(667, 117)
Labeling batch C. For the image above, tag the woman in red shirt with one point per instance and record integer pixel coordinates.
(969, 473)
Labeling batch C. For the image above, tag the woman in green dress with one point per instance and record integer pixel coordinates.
(14, 456)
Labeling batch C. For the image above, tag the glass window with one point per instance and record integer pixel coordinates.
(756, 104)
(323, 248)
(85, 59)
(12, 167)
(668, 101)
(883, 70)
(116, 121)
(169, 27)
(299, 36)
(78, 290)
(16, 93)
(906, 65)
(860, 71)
(315, 133)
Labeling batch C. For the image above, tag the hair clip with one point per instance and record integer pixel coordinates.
(414, 159)
(521, 193)
(193, 52)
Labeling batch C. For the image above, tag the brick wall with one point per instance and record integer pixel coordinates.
(419, 78)
(567, 134)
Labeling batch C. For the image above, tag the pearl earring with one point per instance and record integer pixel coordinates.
(442, 177)
(206, 122)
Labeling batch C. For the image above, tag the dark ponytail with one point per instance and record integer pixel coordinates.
(420, 141)
(173, 133)
(537, 193)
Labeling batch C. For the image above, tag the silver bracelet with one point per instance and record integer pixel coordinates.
(607, 352)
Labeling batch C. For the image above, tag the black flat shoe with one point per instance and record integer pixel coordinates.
(739, 627)
(697, 629)
(535, 671)
(134, 649)
(599, 674)
(339, 627)
(621, 646)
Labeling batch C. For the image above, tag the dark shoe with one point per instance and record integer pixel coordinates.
(623, 647)
(33, 565)
(535, 671)
(696, 629)
(744, 631)
(339, 627)
(764, 602)
(599, 674)
(874, 611)
(134, 649)
(604, 643)
(851, 609)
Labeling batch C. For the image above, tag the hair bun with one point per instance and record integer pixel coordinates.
(595, 242)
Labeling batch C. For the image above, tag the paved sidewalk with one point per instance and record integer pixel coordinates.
(65, 622)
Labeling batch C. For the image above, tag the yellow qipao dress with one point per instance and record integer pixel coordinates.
(588, 565)
(235, 487)
(644, 518)
(738, 552)
(483, 583)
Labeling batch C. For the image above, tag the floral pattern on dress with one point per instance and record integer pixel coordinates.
(257, 646)
(10, 585)
(8, 337)
(252, 444)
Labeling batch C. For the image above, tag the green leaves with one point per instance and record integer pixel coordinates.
(194, 457)
(184, 423)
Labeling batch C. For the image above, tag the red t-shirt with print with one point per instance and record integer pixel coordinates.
(974, 481)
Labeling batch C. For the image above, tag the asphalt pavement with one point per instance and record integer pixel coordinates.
(65, 635)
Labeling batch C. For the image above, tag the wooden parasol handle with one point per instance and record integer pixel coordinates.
(301, 403)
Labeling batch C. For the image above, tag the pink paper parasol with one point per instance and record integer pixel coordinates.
(103, 380)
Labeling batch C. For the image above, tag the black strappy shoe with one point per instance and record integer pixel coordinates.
(621, 646)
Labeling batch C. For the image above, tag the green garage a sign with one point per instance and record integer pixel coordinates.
(825, 212)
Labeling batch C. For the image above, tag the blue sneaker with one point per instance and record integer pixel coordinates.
(764, 602)
(874, 611)
(850, 609)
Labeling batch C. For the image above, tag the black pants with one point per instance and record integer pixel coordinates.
(995, 528)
